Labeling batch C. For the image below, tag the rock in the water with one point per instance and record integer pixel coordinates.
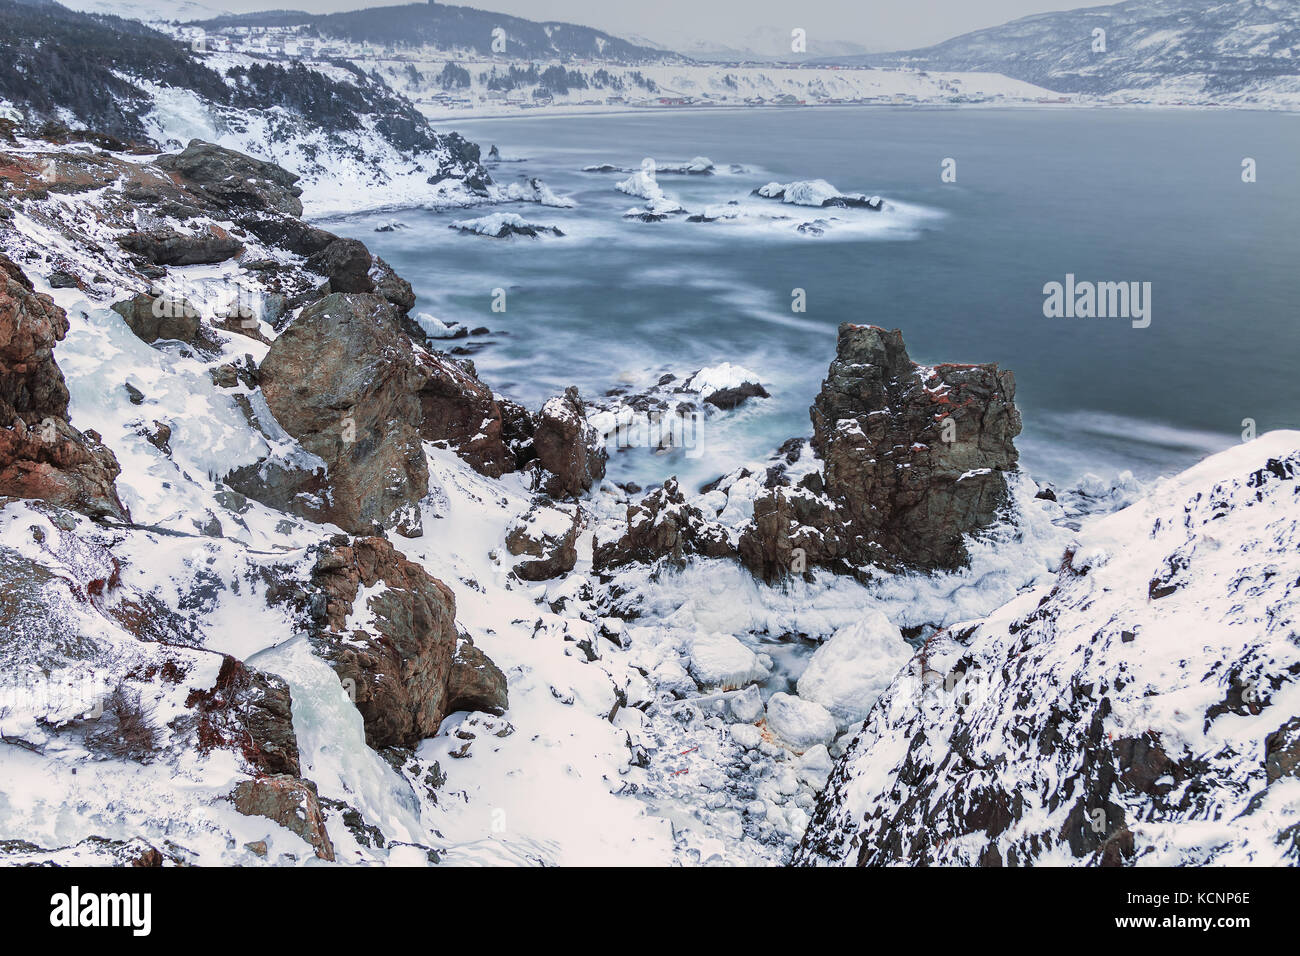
(915, 458)
(41, 454)
(402, 658)
(343, 380)
(913, 481)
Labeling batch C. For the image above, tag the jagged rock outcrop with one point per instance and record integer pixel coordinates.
(343, 380)
(930, 469)
(662, 525)
(1092, 721)
(567, 447)
(915, 457)
(405, 666)
(456, 408)
(41, 454)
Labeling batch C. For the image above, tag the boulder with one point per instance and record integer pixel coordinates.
(230, 178)
(406, 666)
(663, 525)
(167, 247)
(854, 667)
(721, 662)
(802, 724)
(567, 447)
(343, 380)
(289, 801)
(550, 536)
(41, 454)
(153, 318)
(346, 263)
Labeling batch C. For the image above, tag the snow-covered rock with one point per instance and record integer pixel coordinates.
(852, 669)
(800, 723)
(1139, 708)
(722, 662)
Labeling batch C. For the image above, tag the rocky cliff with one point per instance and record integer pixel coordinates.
(1138, 709)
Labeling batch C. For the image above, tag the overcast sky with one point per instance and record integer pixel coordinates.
(876, 24)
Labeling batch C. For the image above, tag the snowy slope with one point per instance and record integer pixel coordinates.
(1244, 52)
(1137, 709)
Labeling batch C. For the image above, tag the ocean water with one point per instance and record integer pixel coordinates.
(1106, 195)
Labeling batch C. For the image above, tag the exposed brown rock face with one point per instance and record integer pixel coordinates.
(787, 519)
(41, 454)
(251, 712)
(567, 447)
(290, 802)
(346, 263)
(410, 667)
(459, 409)
(914, 456)
(343, 380)
(662, 524)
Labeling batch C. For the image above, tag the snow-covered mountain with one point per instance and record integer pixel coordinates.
(1234, 51)
(756, 45)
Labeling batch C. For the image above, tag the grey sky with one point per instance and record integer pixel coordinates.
(876, 24)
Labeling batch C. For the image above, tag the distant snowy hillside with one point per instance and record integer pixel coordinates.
(450, 28)
(1139, 709)
(334, 125)
(1239, 51)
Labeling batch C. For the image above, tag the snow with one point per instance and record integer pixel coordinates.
(802, 724)
(720, 661)
(848, 672)
(716, 378)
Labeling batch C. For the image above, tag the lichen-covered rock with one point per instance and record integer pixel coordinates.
(230, 178)
(41, 454)
(343, 380)
(388, 628)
